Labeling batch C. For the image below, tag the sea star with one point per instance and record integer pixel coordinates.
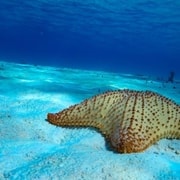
(130, 120)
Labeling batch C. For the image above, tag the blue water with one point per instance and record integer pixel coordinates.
(134, 36)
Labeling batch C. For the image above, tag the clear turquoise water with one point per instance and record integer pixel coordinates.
(31, 148)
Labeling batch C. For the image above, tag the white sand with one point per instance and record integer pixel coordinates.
(31, 148)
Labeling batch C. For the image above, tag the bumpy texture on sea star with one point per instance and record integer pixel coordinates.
(130, 120)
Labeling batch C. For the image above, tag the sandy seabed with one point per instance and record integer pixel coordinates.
(31, 148)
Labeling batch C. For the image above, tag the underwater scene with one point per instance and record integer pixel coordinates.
(90, 89)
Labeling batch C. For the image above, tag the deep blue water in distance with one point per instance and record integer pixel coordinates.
(132, 36)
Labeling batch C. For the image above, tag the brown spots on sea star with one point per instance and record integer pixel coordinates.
(130, 120)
